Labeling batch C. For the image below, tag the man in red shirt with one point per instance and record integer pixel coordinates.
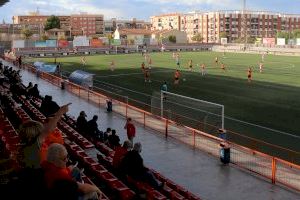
(130, 130)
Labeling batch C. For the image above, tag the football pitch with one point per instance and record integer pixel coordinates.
(271, 100)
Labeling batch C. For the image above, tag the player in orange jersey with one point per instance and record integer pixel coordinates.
(112, 65)
(176, 77)
(223, 67)
(249, 74)
(143, 67)
(203, 69)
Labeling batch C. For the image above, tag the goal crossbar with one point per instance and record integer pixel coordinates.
(163, 93)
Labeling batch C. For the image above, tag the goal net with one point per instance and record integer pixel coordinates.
(202, 115)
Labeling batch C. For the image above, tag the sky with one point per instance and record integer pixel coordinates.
(140, 9)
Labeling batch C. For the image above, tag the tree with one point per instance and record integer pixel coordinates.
(27, 33)
(296, 33)
(44, 37)
(110, 38)
(52, 22)
(172, 38)
(223, 35)
(197, 38)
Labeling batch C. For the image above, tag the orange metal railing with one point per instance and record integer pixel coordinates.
(277, 170)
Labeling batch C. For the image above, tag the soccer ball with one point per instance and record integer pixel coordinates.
(184, 79)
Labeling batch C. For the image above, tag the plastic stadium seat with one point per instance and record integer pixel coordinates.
(108, 177)
(176, 196)
(123, 191)
(191, 196)
(81, 155)
(90, 162)
(167, 190)
(155, 195)
(98, 169)
(76, 148)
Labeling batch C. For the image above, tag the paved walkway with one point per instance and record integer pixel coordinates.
(197, 171)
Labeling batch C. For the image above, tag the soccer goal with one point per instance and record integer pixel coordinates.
(188, 111)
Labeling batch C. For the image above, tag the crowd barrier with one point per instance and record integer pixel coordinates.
(277, 170)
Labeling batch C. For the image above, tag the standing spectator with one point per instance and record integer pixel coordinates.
(33, 135)
(129, 126)
(49, 107)
(20, 61)
(81, 123)
(113, 140)
(92, 127)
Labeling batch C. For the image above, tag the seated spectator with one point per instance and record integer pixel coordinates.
(113, 140)
(28, 183)
(81, 123)
(106, 134)
(133, 165)
(92, 127)
(120, 153)
(56, 170)
(49, 107)
(29, 86)
(34, 92)
(32, 135)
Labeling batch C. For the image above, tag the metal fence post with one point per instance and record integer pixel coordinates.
(126, 114)
(273, 170)
(166, 132)
(144, 119)
(194, 138)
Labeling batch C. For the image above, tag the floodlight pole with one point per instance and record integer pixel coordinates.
(223, 114)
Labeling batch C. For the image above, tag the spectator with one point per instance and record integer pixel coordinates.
(56, 170)
(32, 135)
(49, 107)
(129, 126)
(133, 166)
(92, 127)
(106, 134)
(120, 153)
(29, 86)
(34, 92)
(81, 123)
(113, 140)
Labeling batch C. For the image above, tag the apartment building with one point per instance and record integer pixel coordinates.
(166, 21)
(80, 24)
(232, 23)
(87, 24)
(112, 24)
(40, 20)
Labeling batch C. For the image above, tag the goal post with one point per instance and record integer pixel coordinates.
(195, 109)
